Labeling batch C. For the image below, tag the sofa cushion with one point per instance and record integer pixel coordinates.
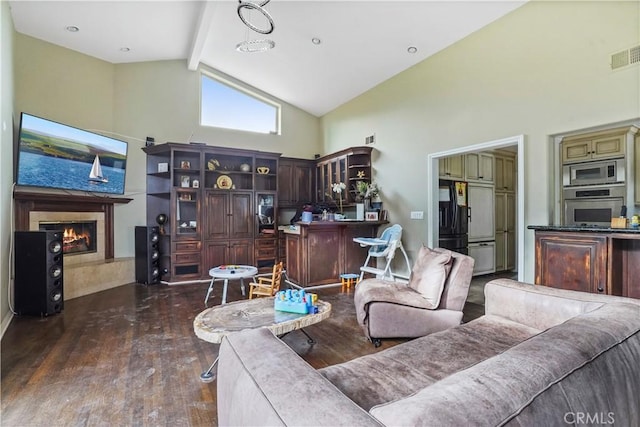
(429, 273)
(399, 371)
(542, 380)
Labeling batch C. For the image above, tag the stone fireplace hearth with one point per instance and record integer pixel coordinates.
(91, 271)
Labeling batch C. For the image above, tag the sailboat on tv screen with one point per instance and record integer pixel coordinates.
(96, 172)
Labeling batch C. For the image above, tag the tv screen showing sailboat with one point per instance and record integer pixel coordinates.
(55, 155)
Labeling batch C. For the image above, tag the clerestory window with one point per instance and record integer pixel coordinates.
(227, 105)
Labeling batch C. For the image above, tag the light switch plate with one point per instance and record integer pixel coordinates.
(417, 215)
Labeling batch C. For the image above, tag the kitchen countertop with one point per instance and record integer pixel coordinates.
(295, 228)
(583, 228)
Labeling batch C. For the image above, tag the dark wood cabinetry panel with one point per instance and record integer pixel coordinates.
(600, 262)
(228, 252)
(348, 166)
(208, 195)
(624, 266)
(217, 207)
(574, 262)
(295, 182)
(324, 250)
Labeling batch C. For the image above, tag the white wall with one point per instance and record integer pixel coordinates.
(541, 70)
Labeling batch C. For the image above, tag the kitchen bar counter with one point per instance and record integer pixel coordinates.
(590, 259)
(319, 251)
(584, 228)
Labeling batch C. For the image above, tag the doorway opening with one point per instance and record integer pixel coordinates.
(515, 143)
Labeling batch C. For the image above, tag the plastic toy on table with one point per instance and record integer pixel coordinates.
(295, 301)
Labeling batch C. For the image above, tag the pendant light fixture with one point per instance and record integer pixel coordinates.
(245, 9)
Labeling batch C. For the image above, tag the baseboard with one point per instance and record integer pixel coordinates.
(5, 323)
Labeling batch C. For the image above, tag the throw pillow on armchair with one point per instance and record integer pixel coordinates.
(429, 274)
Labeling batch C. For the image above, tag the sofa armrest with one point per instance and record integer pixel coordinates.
(262, 381)
(541, 307)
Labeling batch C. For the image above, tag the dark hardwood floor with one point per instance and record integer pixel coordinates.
(128, 356)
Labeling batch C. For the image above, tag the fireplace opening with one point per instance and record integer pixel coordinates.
(78, 237)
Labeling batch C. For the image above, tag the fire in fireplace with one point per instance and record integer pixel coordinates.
(78, 237)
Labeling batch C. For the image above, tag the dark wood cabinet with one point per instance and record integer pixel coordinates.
(574, 262)
(295, 182)
(210, 196)
(323, 250)
(229, 215)
(221, 252)
(347, 166)
(605, 261)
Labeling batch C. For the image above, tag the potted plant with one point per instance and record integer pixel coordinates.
(373, 193)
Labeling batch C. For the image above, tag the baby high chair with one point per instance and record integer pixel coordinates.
(383, 246)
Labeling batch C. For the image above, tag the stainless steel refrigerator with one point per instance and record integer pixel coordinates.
(454, 221)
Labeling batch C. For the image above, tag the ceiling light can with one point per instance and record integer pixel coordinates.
(72, 28)
(316, 40)
(412, 49)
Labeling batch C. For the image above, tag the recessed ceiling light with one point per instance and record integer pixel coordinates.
(412, 49)
(124, 49)
(72, 29)
(316, 40)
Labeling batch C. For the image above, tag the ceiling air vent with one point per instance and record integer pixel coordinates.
(626, 57)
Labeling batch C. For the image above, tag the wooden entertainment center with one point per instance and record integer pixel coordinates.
(222, 203)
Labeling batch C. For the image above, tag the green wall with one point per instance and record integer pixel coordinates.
(132, 101)
(6, 157)
(541, 70)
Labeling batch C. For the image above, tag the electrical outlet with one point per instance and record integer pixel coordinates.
(370, 139)
(417, 215)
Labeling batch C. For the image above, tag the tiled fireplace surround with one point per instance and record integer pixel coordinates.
(83, 274)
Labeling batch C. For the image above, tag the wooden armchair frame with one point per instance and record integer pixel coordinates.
(267, 286)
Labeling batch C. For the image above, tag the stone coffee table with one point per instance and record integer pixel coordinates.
(215, 323)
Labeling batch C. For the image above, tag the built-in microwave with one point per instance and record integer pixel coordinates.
(594, 173)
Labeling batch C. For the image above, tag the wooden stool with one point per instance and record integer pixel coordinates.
(348, 279)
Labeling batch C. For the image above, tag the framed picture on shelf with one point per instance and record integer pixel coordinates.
(185, 164)
(196, 183)
(371, 216)
(184, 181)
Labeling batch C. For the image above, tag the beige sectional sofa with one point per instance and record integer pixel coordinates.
(539, 356)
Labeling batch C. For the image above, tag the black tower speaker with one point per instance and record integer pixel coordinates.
(38, 272)
(147, 255)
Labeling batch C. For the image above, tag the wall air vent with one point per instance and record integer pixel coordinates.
(625, 58)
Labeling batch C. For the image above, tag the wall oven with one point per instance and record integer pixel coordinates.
(594, 173)
(593, 205)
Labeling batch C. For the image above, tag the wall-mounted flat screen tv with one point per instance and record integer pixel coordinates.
(55, 155)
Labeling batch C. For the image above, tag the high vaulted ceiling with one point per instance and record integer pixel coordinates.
(362, 43)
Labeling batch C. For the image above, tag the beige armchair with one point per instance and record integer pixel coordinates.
(389, 309)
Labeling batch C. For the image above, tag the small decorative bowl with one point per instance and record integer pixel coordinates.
(263, 170)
